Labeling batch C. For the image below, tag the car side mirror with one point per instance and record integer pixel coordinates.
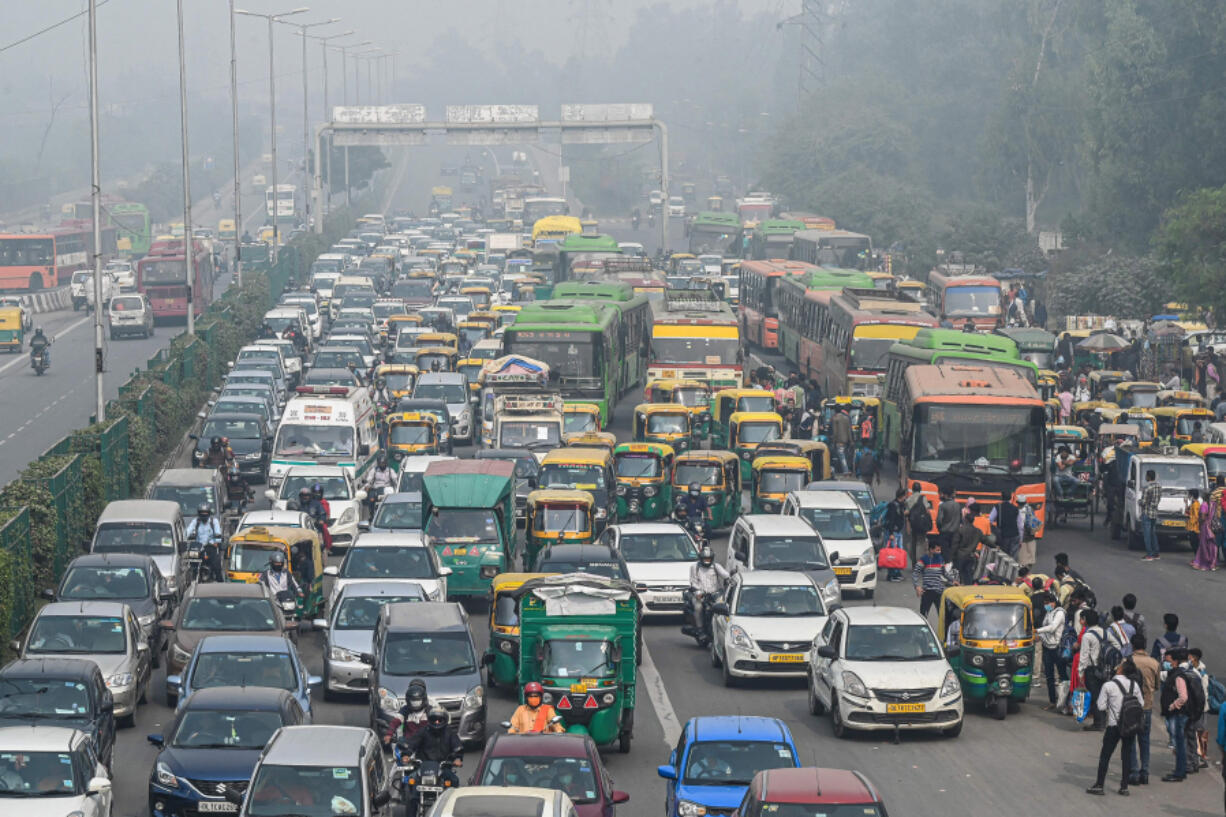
(143, 646)
(331, 570)
(367, 659)
(667, 771)
(444, 571)
(173, 682)
(15, 645)
(740, 556)
(487, 659)
(360, 496)
(314, 681)
(157, 740)
(381, 799)
(364, 527)
(827, 651)
(98, 786)
(48, 594)
(620, 797)
(833, 557)
(166, 595)
(270, 495)
(193, 436)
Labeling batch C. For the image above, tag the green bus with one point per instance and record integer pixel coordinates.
(133, 232)
(772, 238)
(933, 346)
(633, 339)
(579, 341)
(715, 232)
(581, 256)
(802, 302)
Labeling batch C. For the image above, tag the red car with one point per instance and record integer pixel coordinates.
(794, 792)
(566, 762)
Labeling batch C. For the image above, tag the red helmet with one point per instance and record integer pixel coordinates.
(533, 688)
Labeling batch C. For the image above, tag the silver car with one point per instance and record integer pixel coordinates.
(351, 631)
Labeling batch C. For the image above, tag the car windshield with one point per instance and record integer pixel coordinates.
(77, 634)
(362, 612)
(572, 775)
(37, 774)
(336, 359)
(447, 392)
(305, 791)
(771, 481)
(411, 434)
(529, 434)
(580, 421)
(297, 440)
(43, 698)
(398, 516)
(235, 615)
(234, 429)
(687, 473)
(227, 669)
(134, 537)
(608, 568)
(996, 621)
(334, 487)
(668, 423)
(835, 523)
(104, 582)
(757, 432)
(779, 600)
(216, 729)
(891, 642)
(464, 525)
(428, 654)
(561, 518)
(789, 553)
(578, 477)
(578, 659)
(733, 762)
(637, 466)
(657, 547)
(393, 562)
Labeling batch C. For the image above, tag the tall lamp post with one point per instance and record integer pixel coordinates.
(306, 126)
(327, 157)
(272, 106)
(189, 244)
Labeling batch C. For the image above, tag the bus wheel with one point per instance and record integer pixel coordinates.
(36, 282)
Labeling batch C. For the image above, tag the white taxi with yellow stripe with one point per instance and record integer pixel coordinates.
(765, 625)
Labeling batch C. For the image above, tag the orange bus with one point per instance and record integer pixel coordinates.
(759, 309)
(861, 326)
(958, 298)
(975, 430)
(33, 261)
(162, 276)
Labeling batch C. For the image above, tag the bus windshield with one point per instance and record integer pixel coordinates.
(978, 439)
(963, 301)
(708, 351)
(870, 353)
(164, 272)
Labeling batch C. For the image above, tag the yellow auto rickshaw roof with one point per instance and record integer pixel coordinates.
(507, 308)
(661, 408)
(396, 368)
(1165, 411)
(275, 534)
(412, 417)
(806, 447)
(590, 439)
(1203, 450)
(568, 496)
(969, 595)
(1094, 404)
(755, 416)
(470, 361)
(681, 256)
(659, 449)
(1068, 433)
(1137, 385)
(781, 463)
(1108, 374)
(436, 350)
(671, 383)
(737, 394)
(580, 408)
(403, 317)
(1122, 429)
(1195, 412)
(578, 456)
(474, 290)
(418, 272)
(509, 581)
(719, 454)
(440, 338)
(1179, 394)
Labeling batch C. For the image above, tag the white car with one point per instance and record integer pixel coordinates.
(658, 556)
(124, 274)
(381, 557)
(874, 668)
(774, 542)
(344, 498)
(655, 198)
(766, 624)
(51, 770)
(676, 206)
(838, 518)
(279, 519)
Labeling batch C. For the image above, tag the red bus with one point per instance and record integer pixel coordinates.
(961, 297)
(162, 276)
(30, 262)
(759, 308)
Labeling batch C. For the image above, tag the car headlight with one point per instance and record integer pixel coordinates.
(348, 517)
(866, 558)
(122, 679)
(649, 490)
(831, 590)
(165, 777)
(146, 621)
(686, 808)
(475, 697)
(740, 638)
(950, 686)
(621, 490)
(342, 654)
(853, 686)
(388, 700)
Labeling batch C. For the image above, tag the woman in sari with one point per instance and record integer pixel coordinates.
(1207, 549)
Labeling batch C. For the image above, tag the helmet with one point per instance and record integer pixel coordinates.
(277, 560)
(215, 442)
(225, 441)
(706, 556)
(304, 492)
(415, 697)
(533, 688)
(695, 489)
(204, 510)
(437, 718)
(318, 489)
(382, 458)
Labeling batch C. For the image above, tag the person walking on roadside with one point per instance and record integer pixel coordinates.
(919, 521)
(1150, 497)
(1006, 519)
(1089, 663)
(949, 516)
(1174, 702)
(1121, 701)
(964, 548)
(1049, 634)
(929, 578)
(1150, 673)
(1170, 639)
(1195, 671)
(1134, 618)
(893, 522)
(840, 435)
(1206, 539)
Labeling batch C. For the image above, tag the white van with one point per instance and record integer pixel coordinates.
(325, 425)
(838, 518)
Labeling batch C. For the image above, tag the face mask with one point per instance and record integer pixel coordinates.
(1166, 664)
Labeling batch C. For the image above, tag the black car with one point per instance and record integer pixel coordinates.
(599, 560)
(526, 470)
(59, 692)
(131, 578)
(249, 438)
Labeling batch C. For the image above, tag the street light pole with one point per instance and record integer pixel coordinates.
(189, 245)
(238, 185)
(95, 195)
(306, 125)
(327, 157)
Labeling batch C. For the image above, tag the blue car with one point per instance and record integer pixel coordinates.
(215, 741)
(716, 759)
(245, 661)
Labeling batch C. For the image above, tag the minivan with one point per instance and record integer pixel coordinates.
(150, 527)
(452, 388)
(130, 314)
(773, 542)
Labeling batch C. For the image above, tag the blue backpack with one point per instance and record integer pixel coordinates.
(1217, 694)
(1068, 643)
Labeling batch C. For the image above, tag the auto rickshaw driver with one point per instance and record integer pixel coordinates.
(533, 716)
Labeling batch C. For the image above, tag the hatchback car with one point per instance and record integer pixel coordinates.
(245, 660)
(130, 315)
(597, 559)
(190, 488)
(67, 692)
(766, 625)
(658, 557)
(811, 791)
(452, 389)
(351, 630)
(344, 497)
(567, 762)
(839, 520)
(220, 608)
(398, 513)
(877, 668)
(52, 770)
(377, 557)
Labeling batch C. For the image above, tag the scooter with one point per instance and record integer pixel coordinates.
(421, 782)
(697, 617)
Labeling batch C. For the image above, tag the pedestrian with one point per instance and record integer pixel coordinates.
(1170, 639)
(1217, 499)
(1089, 664)
(1049, 635)
(866, 467)
(1005, 517)
(840, 437)
(1150, 498)
(929, 577)
(1119, 701)
(1066, 405)
(1150, 673)
(1206, 538)
(949, 517)
(1120, 632)
(964, 548)
(1061, 559)
(1028, 524)
(1174, 702)
(919, 521)
(1195, 730)
(893, 522)
(813, 395)
(1133, 617)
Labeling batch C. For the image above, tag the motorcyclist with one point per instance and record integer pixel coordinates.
(206, 530)
(438, 742)
(382, 396)
(533, 715)
(381, 478)
(412, 714)
(279, 581)
(693, 504)
(635, 217)
(707, 580)
(317, 494)
(40, 343)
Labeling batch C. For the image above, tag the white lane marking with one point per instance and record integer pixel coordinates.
(659, 700)
(23, 359)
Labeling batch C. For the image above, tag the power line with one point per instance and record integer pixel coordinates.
(51, 27)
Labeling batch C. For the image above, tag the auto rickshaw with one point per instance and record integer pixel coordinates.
(1076, 497)
(715, 204)
(1140, 394)
(249, 550)
(412, 433)
(1214, 455)
(579, 638)
(1176, 398)
(817, 453)
(1089, 412)
(730, 401)
(1103, 382)
(1186, 421)
(746, 430)
(1049, 384)
(399, 378)
(471, 367)
(472, 332)
(694, 395)
(12, 332)
(445, 357)
(605, 440)
(480, 296)
(507, 313)
(556, 515)
(992, 648)
(486, 316)
(501, 658)
(667, 423)
(580, 417)
(718, 473)
(449, 339)
(643, 472)
(773, 478)
(674, 261)
(1147, 424)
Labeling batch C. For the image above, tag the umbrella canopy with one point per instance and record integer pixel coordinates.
(1103, 342)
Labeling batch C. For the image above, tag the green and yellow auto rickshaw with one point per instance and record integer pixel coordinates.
(747, 430)
(728, 402)
(412, 433)
(817, 453)
(719, 475)
(1137, 394)
(399, 378)
(606, 440)
(1072, 491)
(556, 515)
(12, 333)
(502, 657)
(991, 649)
(579, 638)
(444, 358)
(580, 417)
(643, 471)
(773, 478)
(249, 550)
(1103, 382)
(1049, 384)
(1177, 398)
(668, 423)
(693, 394)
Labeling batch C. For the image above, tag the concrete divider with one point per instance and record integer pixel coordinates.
(50, 300)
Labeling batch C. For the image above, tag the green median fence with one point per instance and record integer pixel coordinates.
(16, 571)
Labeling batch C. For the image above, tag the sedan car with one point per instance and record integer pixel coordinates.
(398, 513)
(766, 625)
(658, 557)
(51, 770)
(877, 668)
(344, 497)
(567, 762)
(245, 660)
(377, 557)
(213, 744)
(351, 629)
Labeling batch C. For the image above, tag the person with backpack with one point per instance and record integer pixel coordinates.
(1182, 700)
(1120, 632)
(919, 521)
(1123, 706)
(1169, 640)
(1150, 674)
(1195, 669)
(893, 522)
(1133, 617)
(1092, 669)
(1050, 635)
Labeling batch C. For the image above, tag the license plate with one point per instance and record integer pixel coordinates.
(1000, 648)
(842, 571)
(787, 657)
(668, 598)
(216, 807)
(579, 688)
(895, 709)
(435, 789)
(1173, 523)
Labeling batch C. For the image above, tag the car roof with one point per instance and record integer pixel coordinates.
(39, 739)
(231, 697)
(391, 587)
(882, 615)
(316, 745)
(837, 485)
(196, 476)
(77, 608)
(825, 499)
(403, 539)
(315, 470)
(227, 590)
(49, 668)
(140, 510)
(649, 528)
(575, 551)
(544, 745)
(112, 560)
(813, 785)
(425, 615)
(244, 643)
(550, 797)
(402, 497)
(737, 727)
(774, 577)
(764, 524)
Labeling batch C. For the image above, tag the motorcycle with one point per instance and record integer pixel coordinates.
(197, 567)
(697, 623)
(288, 602)
(634, 220)
(421, 782)
(238, 493)
(39, 361)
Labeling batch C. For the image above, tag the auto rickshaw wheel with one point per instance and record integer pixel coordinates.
(623, 743)
(997, 707)
(1014, 706)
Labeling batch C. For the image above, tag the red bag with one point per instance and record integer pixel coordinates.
(892, 558)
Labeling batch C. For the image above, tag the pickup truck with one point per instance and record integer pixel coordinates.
(1176, 474)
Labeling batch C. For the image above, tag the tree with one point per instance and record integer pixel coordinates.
(1191, 248)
